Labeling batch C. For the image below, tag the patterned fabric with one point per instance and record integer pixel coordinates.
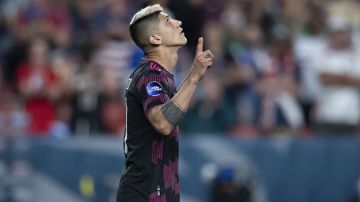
(151, 159)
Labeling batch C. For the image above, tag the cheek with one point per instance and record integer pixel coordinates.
(168, 35)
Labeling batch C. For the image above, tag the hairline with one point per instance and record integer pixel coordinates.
(146, 12)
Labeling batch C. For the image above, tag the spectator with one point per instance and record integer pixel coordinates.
(43, 17)
(82, 22)
(115, 57)
(235, 180)
(249, 56)
(63, 60)
(307, 46)
(211, 113)
(212, 110)
(278, 87)
(338, 104)
(5, 39)
(112, 17)
(86, 116)
(14, 54)
(225, 188)
(39, 87)
(112, 105)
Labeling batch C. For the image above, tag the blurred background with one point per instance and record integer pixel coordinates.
(275, 120)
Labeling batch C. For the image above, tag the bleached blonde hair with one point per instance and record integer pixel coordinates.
(143, 25)
(146, 12)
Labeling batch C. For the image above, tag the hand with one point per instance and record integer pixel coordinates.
(203, 60)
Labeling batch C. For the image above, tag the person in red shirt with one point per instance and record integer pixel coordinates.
(39, 87)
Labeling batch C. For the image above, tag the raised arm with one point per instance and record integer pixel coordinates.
(168, 115)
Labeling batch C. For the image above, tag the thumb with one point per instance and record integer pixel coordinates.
(199, 46)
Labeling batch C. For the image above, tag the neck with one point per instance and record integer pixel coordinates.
(165, 57)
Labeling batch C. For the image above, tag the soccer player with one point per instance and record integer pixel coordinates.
(155, 107)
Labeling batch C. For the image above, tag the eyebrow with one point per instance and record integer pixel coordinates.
(164, 15)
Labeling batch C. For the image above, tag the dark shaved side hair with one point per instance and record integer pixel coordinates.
(143, 25)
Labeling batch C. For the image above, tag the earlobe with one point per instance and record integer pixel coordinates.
(155, 40)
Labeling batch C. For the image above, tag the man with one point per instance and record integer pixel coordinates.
(338, 103)
(155, 107)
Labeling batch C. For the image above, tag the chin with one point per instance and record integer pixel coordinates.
(184, 40)
(180, 42)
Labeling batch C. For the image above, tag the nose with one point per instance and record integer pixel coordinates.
(179, 23)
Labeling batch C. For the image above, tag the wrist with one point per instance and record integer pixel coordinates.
(194, 80)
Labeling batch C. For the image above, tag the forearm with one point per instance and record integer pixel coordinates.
(352, 81)
(333, 79)
(168, 115)
(185, 92)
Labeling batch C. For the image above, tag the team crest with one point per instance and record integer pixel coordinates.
(154, 88)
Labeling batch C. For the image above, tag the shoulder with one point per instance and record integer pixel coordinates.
(146, 68)
(145, 74)
(148, 71)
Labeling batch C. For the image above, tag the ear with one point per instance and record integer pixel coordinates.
(155, 40)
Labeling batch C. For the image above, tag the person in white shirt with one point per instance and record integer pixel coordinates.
(307, 46)
(338, 103)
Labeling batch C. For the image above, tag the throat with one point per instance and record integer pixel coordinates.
(166, 59)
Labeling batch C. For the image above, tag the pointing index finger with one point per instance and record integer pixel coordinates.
(200, 45)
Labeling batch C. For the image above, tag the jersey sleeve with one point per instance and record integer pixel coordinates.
(151, 90)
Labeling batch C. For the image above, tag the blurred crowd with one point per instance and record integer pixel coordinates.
(281, 66)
